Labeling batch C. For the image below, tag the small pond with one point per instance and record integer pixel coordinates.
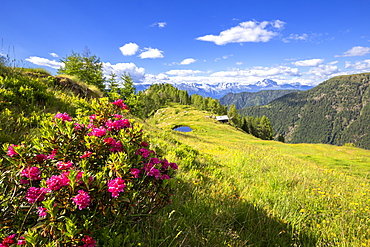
(183, 129)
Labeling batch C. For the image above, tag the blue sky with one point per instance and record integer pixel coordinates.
(218, 41)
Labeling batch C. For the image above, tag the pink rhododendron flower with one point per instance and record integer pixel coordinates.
(120, 104)
(21, 241)
(35, 194)
(115, 186)
(63, 116)
(41, 157)
(143, 152)
(117, 125)
(78, 126)
(57, 182)
(135, 172)
(82, 200)
(8, 240)
(154, 172)
(92, 117)
(53, 154)
(174, 166)
(11, 152)
(42, 212)
(144, 144)
(116, 145)
(117, 116)
(64, 165)
(88, 242)
(32, 173)
(98, 132)
(86, 154)
(165, 176)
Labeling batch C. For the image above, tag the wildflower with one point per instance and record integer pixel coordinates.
(143, 152)
(8, 240)
(53, 154)
(78, 126)
(42, 212)
(57, 182)
(89, 242)
(21, 241)
(32, 173)
(82, 200)
(174, 166)
(98, 132)
(117, 125)
(41, 157)
(120, 104)
(35, 194)
(135, 172)
(11, 152)
(64, 165)
(115, 186)
(116, 145)
(86, 154)
(63, 116)
(165, 176)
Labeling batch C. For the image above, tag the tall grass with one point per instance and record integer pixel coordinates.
(236, 190)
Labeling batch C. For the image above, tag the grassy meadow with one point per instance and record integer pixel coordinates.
(233, 189)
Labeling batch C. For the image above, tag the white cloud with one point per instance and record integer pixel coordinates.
(151, 53)
(137, 74)
(239, 63)
(365, 64)
(53, 54)
(324, 70)
(309, 62)
(183, 72)
(355, 51)
(129, 49)
(45, 62)
(188, 61)
(159, 24)
(249, 31)
(295, 37)
(258, 71)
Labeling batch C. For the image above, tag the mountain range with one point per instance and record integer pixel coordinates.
(336, 111)
(218, 90)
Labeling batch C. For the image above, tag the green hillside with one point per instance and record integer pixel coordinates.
(247, 99)
(336, 111)
(265, 193)
(231, 189)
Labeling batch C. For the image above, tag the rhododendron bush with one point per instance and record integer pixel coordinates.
(82, 176)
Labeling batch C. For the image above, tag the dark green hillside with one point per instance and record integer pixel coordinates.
(247, 99)
(334, 112)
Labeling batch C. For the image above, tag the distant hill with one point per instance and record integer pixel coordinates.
(336, 111)
(247, 99)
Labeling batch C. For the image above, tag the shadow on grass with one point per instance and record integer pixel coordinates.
(196, 218)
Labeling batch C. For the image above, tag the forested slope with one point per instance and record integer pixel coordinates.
(334, 112)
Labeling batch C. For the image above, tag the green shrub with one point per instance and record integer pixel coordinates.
(83, 181)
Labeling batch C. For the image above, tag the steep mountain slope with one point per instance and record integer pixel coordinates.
(335, 112)
(247, 99)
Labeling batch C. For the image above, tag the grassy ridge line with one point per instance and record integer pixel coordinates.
(300, 194)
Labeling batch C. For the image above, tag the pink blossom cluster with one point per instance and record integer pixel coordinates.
(86, 154)
(115, 186)
(82, 200)
(63, 116)
(56, 182)
(120, 104)
(88, 242)
(64, 165)
(98, 132)
(11, 152)
(31, 173)
(78, 126)
(116, 145)
(8, 241)
(118, 124)
(35, 194)
(42, 212)
(143, 152)
(41, 157)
